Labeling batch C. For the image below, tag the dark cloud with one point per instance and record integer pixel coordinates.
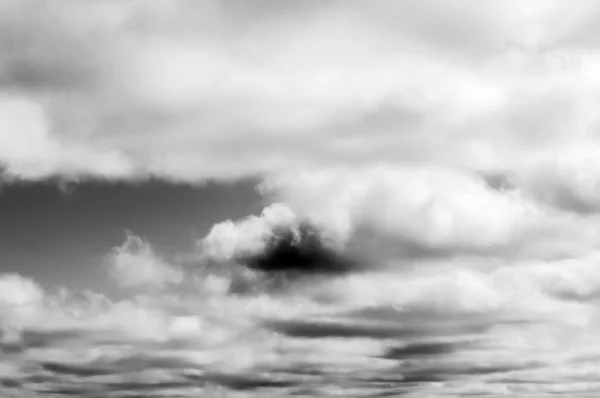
(382, 322)
(38, 339)
(11, 383)
(41, 378)
(43, 339)
(322, 329)
(450, 370)
(75, 370)
(396, 392)
(302, 253)
(142, 362)
(68, 391)
(241, 382)
(11, 348)
(422, 349)
(142, 386)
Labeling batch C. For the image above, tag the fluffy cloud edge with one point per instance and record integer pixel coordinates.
(134, 264)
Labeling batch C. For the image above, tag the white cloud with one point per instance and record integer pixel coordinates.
(20, 300)
(28, 149)
(432, 208)
(134, 264)
(17, 290)
(228, 240)
(144, 87)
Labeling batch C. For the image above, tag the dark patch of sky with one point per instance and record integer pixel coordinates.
(61, 237)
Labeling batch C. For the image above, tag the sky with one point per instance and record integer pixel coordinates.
(326, 198)
(60, 235)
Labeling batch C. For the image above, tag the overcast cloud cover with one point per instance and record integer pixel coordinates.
(440, 157)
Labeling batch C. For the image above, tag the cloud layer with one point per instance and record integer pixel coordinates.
(446, 149)
(130, 89)
(393, 331)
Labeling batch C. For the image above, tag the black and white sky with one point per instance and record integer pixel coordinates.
(256, 198)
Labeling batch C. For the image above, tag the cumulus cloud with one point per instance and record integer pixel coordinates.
(250, 236)
(266, 253)
(432, 207)
(134, 264)
(410, 211)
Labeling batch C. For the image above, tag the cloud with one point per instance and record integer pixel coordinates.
(30, 151)
(248, 237)
(18, 290)
(131, 89)
(448, 148)
(134, 264)
(20, 300)
(406, 212)
(305, 252)
(228, 340)
(276, 242)
(568, 279)
(567, 180)
(433, 207)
